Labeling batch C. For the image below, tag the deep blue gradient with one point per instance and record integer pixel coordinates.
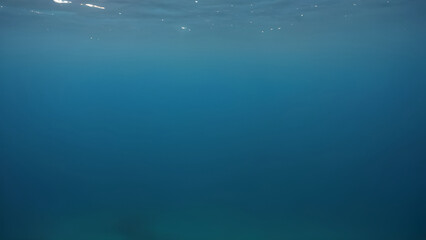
(299, 120)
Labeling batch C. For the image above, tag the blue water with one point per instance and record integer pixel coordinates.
(213, 120)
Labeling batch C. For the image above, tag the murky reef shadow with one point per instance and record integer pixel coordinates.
(131, 226)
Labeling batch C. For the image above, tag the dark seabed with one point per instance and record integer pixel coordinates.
(213, 120)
